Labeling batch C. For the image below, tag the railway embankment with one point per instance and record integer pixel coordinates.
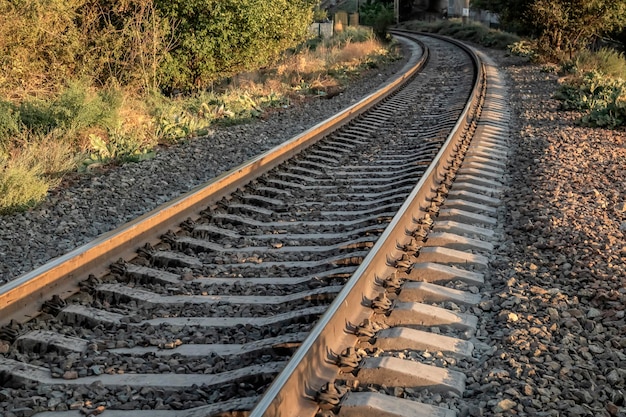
(556, 311)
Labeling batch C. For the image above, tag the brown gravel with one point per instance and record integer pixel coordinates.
(560, 267)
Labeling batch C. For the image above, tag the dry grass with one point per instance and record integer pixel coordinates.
(137, 122)
(354, 54)
(31, 164)
(314, 65)
(21, 187)
(49, 155)
(30, 168)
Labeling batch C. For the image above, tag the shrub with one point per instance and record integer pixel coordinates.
(606, 61)
(377, 15)
(129, 41)
(51, 155)
(607, 101)
(320, 15)
(603, 97)
(74, 109)
(20, 188)
(40, 45)
(498, 39)
(595, 84)
(524, 48)
(219, 38)
(9, 121)
(118, 147)
(130, 135)
(357, 34)
(29, 170)
(566, 26)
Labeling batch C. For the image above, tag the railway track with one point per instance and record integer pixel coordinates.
(285, 286)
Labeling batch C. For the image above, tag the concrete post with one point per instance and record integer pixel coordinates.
(465, 11)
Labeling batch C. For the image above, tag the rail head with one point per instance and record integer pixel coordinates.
(20, 298)
(293, 390)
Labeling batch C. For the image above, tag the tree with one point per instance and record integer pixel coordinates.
(559, 25)
(570, 25)
(219, 38)
(513, 14)
(378, 15)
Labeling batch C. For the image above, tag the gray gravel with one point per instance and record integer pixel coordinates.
(89, 205)
(554, 332)
(551, 339)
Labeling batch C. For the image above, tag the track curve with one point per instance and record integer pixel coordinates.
(203, 319)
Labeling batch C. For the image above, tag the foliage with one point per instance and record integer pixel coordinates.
(320, 15)
(44, 43)
(96, 102)
(595, 84)
(524, 48)
(569, 25)
(513, 14)
(350, 34)
(604, 99)
(9, 121)
(378, 15)
(118, 147)
(606, 61)
(21, 187)
(40, 45)
(405, 7)
(218, 38)
(561, 26)
(29, 168)
(75, 109)
(179, 119)
(128, 42)
(141, 44)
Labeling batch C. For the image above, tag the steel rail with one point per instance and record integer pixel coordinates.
(20, 299)
(293, 391)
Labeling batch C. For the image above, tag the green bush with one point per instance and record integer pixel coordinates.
(604, 99)
(128, 42)
(41, 45)
(595, 84)
(9, 120)
(350, 34)
(524, 48)
(140, 44)
(21, 187)
(378, 16)
(119, 147)
(320, 15)
(606, 61)
(566, 26)
(73, 110)
(498, 39)
(220, 38)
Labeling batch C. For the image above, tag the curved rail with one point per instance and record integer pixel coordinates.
(309, 368)
(20, 298)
